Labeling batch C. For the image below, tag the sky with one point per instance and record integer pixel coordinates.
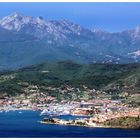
(111, 17)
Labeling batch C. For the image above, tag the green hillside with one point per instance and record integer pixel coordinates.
(124, 122)
(114, 79)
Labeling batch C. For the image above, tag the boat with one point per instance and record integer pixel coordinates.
(54, 112)
(48, 112)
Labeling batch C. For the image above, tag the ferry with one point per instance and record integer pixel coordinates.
(54, 112)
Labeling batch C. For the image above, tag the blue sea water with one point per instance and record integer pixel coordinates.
(26, 125)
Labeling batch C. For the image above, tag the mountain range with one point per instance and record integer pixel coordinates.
(26, 40)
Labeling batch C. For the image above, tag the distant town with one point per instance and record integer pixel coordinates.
(97, 110)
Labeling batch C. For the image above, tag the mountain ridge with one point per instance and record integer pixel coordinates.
(27, 40)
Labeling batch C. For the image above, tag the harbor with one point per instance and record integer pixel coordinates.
(26, 125)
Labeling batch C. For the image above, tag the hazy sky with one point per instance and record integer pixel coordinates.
(106, 16)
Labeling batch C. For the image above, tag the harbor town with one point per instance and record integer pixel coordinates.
(95, 111)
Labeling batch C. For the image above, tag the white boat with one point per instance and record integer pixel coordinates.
(47, 112)
(54, 112)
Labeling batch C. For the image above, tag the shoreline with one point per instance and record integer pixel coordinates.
(70, 124)
(97, 126)
(18, 110)
(88, 126)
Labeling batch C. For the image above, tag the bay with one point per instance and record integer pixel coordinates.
(25, 124)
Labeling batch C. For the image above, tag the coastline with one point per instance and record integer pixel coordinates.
(32, 125)
(89, 126)
(97, 126)
(28, 109)
(42, 122)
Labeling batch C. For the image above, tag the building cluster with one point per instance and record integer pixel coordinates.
(97, 112)
(92, 103)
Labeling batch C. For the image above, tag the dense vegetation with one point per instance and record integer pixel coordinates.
(112, 78)
(125, 122)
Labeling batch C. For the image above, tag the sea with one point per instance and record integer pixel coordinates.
(25, 124)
